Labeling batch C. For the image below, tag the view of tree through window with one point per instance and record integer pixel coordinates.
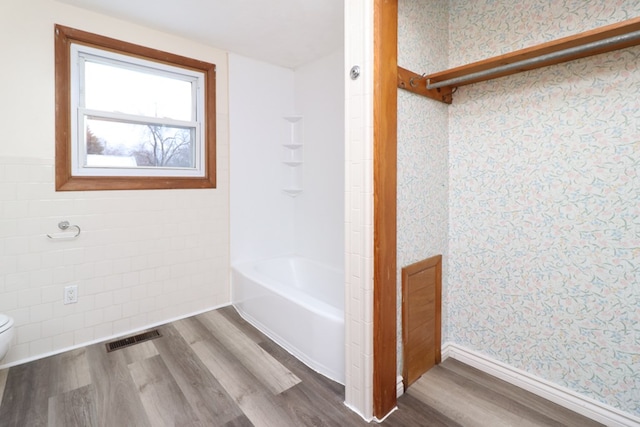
(125, 144)
(122, 102)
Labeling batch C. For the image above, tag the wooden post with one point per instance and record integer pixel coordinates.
(385, 106)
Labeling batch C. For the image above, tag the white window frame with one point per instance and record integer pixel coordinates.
(79, 55)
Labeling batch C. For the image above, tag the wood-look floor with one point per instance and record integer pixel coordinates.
(216, 370)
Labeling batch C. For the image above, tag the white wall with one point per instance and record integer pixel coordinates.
(262, 215)
(265, 221)
(319, 209)
(143, 256)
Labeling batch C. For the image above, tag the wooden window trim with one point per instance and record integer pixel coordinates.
(65, 181)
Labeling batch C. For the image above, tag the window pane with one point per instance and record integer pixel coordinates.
(115, 89)
(118, 144)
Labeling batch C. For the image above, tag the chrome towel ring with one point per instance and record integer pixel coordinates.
(64, 226)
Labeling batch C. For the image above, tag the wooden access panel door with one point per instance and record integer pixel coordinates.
(421, 317)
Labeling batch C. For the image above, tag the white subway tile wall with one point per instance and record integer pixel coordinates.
(143, 257)
(359, 207)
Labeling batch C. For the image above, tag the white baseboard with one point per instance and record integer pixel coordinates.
(399, 386)
(576, 402)
(357, 411)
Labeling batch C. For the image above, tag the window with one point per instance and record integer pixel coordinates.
(131, 117)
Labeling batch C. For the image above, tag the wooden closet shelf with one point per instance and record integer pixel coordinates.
(600, 40)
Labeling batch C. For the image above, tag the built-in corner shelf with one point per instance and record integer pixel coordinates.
(292, 146)
(293, 118)
(292, 191)
(292, 156)
(439, 85)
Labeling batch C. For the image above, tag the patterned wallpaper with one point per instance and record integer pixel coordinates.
(544, 201)
(485, 28)
(422, 142)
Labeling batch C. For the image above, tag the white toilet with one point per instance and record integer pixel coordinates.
(6, 334)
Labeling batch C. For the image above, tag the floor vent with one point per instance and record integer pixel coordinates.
(129, 341)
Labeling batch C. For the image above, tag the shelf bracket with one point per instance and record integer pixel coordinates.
(416, 83)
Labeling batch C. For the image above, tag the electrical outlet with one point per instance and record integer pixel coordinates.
(71, 294)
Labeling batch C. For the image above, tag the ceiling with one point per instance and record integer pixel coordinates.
(288, 33)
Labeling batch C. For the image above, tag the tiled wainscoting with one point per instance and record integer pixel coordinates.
(143, 257)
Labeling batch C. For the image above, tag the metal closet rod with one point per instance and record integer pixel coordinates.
(585, 48)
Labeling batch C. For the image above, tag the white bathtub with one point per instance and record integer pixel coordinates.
(299, 304)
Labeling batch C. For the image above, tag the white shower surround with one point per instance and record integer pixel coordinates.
(303, 237)
(266, 221)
